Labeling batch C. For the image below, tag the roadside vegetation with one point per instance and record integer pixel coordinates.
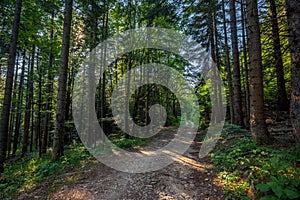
(31, 172)
(250, 171)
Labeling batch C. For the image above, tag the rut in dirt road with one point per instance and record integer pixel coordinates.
(187, 178)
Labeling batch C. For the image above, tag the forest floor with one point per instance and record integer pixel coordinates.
(187, 178)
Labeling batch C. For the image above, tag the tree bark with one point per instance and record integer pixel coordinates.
(246, 68)
(257, 116)
(5, 114)
(228, 65)
(29, 98)
(13, 110)
(282, 100)
(293, 19)
(49, 91)
(58, 143)
(19, 107)
(237, 90)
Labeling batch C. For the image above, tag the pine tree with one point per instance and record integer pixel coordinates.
(5, 114)
(237, 97)
(293, 19)
(58, 143)
(257, 115)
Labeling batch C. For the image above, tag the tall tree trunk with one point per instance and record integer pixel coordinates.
(228, 65)
(13, 109)
(282, 100)
(293, 19)
(58, 143)
(19, 107)
(257, 115)
(237, 98)
(219, 99)
(214, 54)
(32, 127)
(38, 132)
(29, 98)
(49, 92)
(246, 69)
(5, 114)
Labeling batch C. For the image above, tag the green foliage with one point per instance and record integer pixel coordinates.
(123, 142)
(240, 162)
(24, 174)
(126, 143)
(282, 180)
(280, 188)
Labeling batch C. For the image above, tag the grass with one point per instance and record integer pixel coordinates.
(23, 174)
(260, 172)
(123, 142)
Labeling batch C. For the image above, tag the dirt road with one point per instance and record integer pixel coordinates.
(187, 178)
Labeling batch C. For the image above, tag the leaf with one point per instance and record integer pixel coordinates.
(268, 197)
(276, 188)
(263, 187)
(291, 194)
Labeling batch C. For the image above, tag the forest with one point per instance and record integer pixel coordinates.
(216, 81)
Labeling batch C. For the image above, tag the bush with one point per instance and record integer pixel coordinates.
(272, 170)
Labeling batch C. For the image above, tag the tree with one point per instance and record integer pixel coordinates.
(228, 65)
(58, 143)
(19, 105)
(293, 19)
(246, 70)
(281, 93)
(257, 115)
(29, 99)
(237, 91)
(5, 114)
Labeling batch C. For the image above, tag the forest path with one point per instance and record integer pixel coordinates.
(187, 178)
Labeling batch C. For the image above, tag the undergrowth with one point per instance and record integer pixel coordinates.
(24, 174)
(249, 171)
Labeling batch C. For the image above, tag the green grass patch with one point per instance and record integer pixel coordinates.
(123, 142)
(23, 174)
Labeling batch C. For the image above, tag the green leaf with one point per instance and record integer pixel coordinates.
(291, 194)
(276, 188)
(263, 187)
(269, 197)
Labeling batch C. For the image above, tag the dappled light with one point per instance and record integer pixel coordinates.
(142, 100)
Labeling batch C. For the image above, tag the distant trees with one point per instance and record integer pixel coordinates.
(36, 111)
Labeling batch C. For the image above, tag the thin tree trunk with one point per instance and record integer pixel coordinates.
(257, 115)
(28, 104)
(13, 110)
(49, 92)
(39, 107)
(58, 143)
(19, 107)
(211, 30)
(32, 127)
(238, 110)
(228, 65)
(246, 69)
(293, 19)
